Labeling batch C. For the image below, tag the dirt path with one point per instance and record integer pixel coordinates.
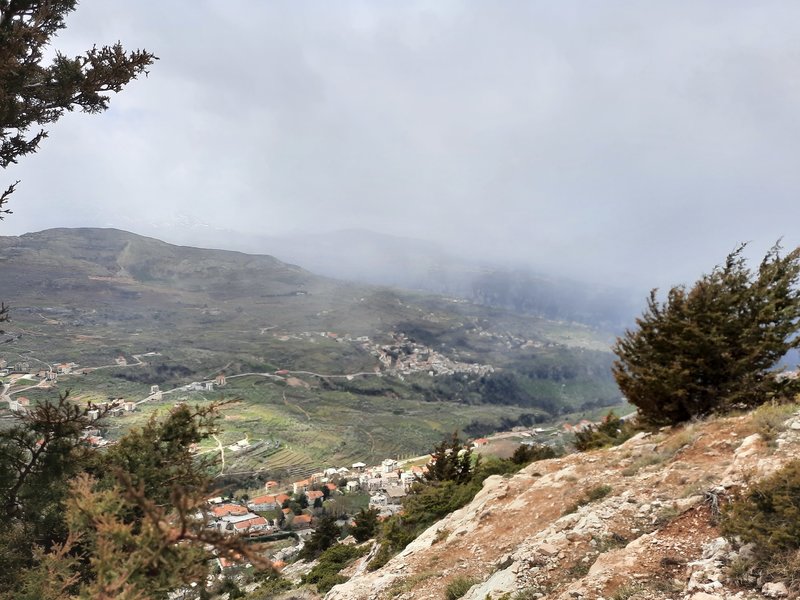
(221, 453)
(297, 406)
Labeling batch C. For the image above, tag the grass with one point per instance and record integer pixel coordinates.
(441, 535)
(458, 587)
(626, 591)
(769, 420)
(591, 495)
(403, 586)
(610, 542)
(667, 450)
(642, 462)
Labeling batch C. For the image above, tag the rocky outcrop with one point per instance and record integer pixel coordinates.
(635, 521)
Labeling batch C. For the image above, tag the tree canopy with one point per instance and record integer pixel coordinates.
(713, 347)
(34, 93)
(450, 461)
(125, 523)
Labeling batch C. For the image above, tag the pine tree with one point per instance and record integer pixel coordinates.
(127, 523)
(326, 534)
(450, 461)
(366, 524)
(34, 94)
(712, 348)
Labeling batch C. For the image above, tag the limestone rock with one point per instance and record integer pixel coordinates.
(775, 590)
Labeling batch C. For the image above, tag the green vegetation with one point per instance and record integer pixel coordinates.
(592, 495)
(121, 523)
(326, 534)
(612, 431)
(769, 420)
(325, 573)
(711, 348)
(527, 453)
(768, 515)
(458, 586)
(451, 482)
(366, 524)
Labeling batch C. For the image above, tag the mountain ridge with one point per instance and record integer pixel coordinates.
(435, 363)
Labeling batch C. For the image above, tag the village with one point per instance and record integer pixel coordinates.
(292, 509)
(284, 512)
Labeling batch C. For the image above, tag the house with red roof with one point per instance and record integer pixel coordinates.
(227, 510)
(265, 502)
(298, 487)
(314, 495)
(301, 522)
(252, 525)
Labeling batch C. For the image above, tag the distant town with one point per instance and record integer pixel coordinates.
(281, 510)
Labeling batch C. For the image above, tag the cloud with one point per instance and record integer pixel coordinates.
(606, 140)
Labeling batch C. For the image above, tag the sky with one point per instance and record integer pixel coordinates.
(612, 141)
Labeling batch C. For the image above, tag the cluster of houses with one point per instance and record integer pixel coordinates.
(404, 357)
(386, 485)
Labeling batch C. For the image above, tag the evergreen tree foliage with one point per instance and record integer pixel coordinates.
(326, 534)
(712, 348)
(366, 524)
(527, 453)
(34, 93)
(450, 461)
(767, 514)
(611, 431)
(124, 523)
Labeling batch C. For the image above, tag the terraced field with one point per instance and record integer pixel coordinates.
(92, 296)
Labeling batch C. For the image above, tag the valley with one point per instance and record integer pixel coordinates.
(317, 371)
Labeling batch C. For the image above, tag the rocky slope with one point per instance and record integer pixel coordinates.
(636, 521)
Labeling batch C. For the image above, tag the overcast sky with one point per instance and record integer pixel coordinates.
(622, 140)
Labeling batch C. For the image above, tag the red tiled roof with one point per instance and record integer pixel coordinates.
(299, 519)
(263, 500)
(254, 522)
(228, 509)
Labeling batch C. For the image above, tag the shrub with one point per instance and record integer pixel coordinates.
(770, 419)
(366, 524)
(382, 556)
(458, 587)
(626, 591)
(596, 493)
(325, 573)
(712, 348)
(528, 453)
(612, 431)
(769, 514)
(325, 535)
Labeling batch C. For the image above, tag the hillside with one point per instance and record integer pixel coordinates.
(636, 522)
(324, 371)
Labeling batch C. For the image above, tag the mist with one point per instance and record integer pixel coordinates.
(627, 145)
